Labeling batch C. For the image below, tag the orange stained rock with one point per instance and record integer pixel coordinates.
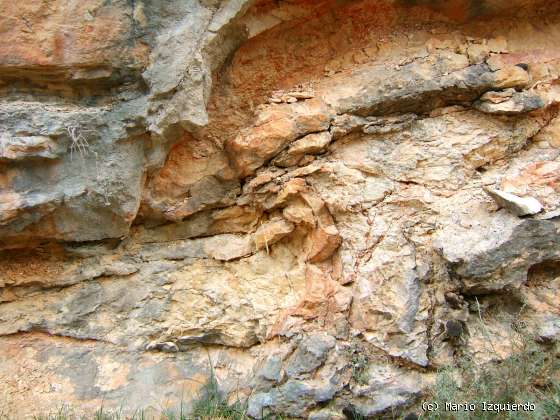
(276, 127)
(58, 33)
(535, 174)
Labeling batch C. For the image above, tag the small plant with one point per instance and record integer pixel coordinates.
(529, 375)
(81, 146)
(63, 413)
(66, 413)
(359, 363)
(79, 143)
(212, 404)
(103, 414)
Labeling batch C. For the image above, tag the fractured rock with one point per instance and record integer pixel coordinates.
(299, 213)
(310, 354)
(384, 125)
(517, 103)
(312, 143)
(387, 387)
(293, 398)
(345, 124)
(141, 178)
(275, 128)
(511, 77)
(539, 179)
(496, 253)
(271, 232)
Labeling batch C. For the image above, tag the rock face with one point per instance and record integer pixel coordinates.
(225, 186)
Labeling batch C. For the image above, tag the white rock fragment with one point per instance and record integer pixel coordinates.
(520, 206)
(167, 347)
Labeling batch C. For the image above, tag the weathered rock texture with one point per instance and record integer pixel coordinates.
(271, 188)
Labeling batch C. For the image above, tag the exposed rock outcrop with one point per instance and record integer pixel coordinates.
(305, 198)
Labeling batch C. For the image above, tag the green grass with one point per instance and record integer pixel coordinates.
(530, 375)
(359, 363)
(209, 404)
(67, 413)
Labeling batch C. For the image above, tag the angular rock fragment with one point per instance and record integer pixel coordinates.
(520, 206)
(511, 77)
(290, 190)
(299, 213)
(496, 254)
(271, 232)
(549, 215)
(275, 128)
(311, 353)
(323, 243)
(229, 247)
(517, 103)
(312, 143)
(387, 387)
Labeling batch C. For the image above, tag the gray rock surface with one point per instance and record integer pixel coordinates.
(310, 354)
(498, 253)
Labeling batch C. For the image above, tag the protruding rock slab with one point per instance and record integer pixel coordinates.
(520, 206)
(496, 254)
(271, 232)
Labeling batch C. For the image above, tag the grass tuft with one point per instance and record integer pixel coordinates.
(530, 375)
(212, 404)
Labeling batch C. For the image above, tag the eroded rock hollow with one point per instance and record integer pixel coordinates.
(276, 191)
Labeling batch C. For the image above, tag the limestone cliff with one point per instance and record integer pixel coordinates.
(271, 188)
